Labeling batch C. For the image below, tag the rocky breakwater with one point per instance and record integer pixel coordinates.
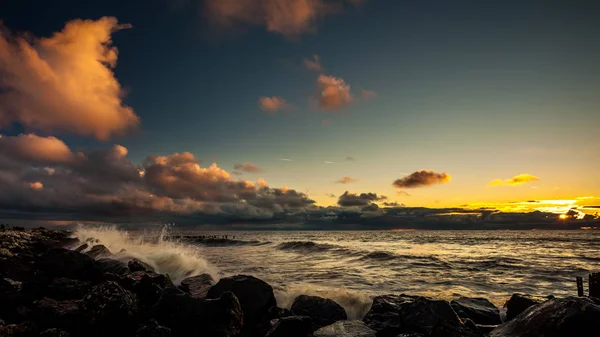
(48, 290)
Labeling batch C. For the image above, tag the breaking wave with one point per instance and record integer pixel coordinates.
(307, 246)
(176, 259)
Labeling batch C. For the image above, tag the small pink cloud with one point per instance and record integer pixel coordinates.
(273, 104)
(335, 93)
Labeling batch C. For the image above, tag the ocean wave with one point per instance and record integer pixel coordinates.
(378, 255)
(176, 259)
(307, 246)
(221, 242)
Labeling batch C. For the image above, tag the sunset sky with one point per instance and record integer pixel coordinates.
(428, 103)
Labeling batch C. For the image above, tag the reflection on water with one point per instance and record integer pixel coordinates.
(353, 265)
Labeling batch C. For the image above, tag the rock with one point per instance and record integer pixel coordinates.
(188, 316)
(54, 332)
(50, 313)
(197, 286)
(148, 286)
(137, 265)
(391, 315)
(152, 329)
(81, 248)
(110, 309)
(571, 316)
(519, 303)
(106, 265)
(25, 329)
(99, 251)
(256, 299)
(345, 329)
(322, 311)
(479, 310)
(292, 326)
(62, 262)
(63, 288)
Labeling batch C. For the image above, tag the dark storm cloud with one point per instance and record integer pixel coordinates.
(370, 208)
(352, 199)
(422, 178)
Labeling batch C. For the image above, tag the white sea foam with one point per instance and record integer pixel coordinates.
(356, 304)
(176, 259)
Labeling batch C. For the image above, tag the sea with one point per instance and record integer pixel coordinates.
(351, 267)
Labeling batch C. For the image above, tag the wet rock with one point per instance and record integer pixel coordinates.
(110, 309)
(571, 316)
(24, 329)
(256, 299)
(292, 326)
(188, 316)
(137, 265)
(346, 329)
(479, 310)
(153, 329)
(197, 286)
(107, 265)
(62, 262)
(50, 313)
(391, 315)
(54, 332)
(63, 288)
(322, 311)
(81, 248)
(99, 251)
(519, 303)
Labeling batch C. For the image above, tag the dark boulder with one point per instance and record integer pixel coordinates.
(106, 265)
(24, 329)
(346, 329)
(99, 251)
(391, 315)
(479, 310)
(81, 248)
(137, 265)
(110, 309)
(197, 286)
(571, 316)
(256, 299)
(292, 326)
(153, 329)
(148, 286)
(322, 311)
(60, 262)
(54, 332)
(519, 303)
(63, 288)
(188, 316)
(50, 313)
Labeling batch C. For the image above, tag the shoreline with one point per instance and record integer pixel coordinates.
(45, 287)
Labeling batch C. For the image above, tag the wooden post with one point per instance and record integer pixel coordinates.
(579, 286)
(594, 282)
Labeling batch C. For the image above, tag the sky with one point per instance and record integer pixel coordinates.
(261, 106)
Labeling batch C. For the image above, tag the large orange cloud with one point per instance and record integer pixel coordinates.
(519, 179)
(287, 17)
(422, 178)
(64, 83)
(35, 149)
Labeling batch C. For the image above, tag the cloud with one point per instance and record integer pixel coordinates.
(34, 149)
(64, 83)
(346, 180)
(352, 199)
(290, 18)
(368, 95)
(349, 158)
(334, 93)
(36, 185)
(247, 167)
(285, 159)
(331, 195)
(314, 64)
(422, 178)
(514, 181)
(392, 204)
(105, 183)
(273, 104)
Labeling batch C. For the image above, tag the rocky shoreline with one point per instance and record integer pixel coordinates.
(49, 290)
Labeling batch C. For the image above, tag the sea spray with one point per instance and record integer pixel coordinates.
(356, 304)
(176, 259)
